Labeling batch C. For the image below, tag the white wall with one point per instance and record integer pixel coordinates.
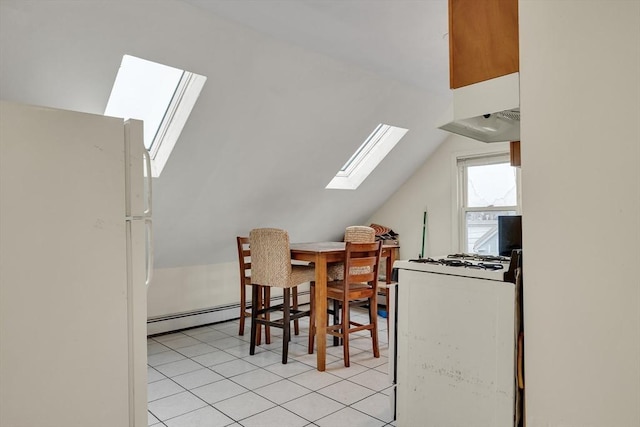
(273, 119)
(182, 289)
(580, 103)
(432, 187)
(196, 287)
(184, 297)
(200, 294)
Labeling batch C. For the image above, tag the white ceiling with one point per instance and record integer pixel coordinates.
(293, 88)
(399, 39)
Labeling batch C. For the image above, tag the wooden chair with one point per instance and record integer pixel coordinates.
(360, 283)
(354, 234)
(271, 267)
(244, 261)
(362, 234)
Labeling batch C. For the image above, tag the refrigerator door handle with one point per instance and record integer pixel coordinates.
(146, 216)
(149, 244)
(148, 174)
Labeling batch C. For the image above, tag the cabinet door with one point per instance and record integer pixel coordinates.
(483, 40)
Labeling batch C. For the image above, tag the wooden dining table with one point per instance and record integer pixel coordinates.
(322, 254)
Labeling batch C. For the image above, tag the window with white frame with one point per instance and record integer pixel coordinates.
(488, 188)
(159, 95)
(367, 157)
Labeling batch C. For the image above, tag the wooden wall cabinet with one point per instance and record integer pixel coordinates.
(483, 40)
(514, 151)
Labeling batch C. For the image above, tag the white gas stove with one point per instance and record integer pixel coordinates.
(465, 265)
(453, 323)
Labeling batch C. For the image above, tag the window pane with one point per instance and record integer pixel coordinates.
(143, 90)
(491, 185)
(482, 231)
(367, 157)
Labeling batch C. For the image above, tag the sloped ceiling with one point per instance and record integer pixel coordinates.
(294, 87)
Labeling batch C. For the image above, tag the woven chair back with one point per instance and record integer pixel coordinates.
(270, 257)
(359, 234)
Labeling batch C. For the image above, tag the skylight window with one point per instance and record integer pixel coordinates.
(161, 96)
(367, 157)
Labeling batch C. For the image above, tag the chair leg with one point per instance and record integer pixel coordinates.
(254, 310)
(312, 319)
(243, 308)
(336, 320)
(260, 306)
(386, 294)
(266, 304)
(296, 324)
(345, 332)
(373, 315)
(286, 320)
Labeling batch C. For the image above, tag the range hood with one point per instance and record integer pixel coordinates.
(488, 111)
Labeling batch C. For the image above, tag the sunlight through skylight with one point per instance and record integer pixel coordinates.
(159, 95)
(367, 157)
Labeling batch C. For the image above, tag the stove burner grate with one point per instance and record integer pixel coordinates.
(479, 257)
(451, 262)
(425, 261)
(455, 262)
(487, 266)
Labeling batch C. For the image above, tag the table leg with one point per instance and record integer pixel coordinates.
(321, 310)
(390, 260)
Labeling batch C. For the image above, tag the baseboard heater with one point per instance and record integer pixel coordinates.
(191, 319)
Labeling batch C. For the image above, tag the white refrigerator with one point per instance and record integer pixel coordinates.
(75, 259)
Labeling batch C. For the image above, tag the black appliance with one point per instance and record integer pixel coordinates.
(509, 234)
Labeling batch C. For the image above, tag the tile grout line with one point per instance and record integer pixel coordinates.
(242, 342)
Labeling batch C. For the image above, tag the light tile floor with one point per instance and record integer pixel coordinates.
(206, 377)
